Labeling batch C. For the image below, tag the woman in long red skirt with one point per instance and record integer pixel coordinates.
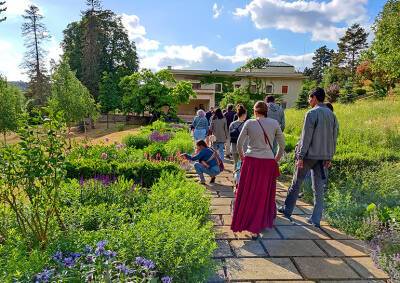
(255, 207)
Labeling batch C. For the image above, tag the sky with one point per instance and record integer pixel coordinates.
(200, 34)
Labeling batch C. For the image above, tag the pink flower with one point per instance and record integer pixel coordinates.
(104, 155)
(106, 139)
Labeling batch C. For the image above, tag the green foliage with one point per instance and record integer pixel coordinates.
(322, 58)
(255, 63)
(179, 245)
(385, 48)
(156, 151)
(101, 40)
(31, 175)
(11, 107)
(239, 96)
(110, 94)
(181, 142)
(302, 99)
(148, 91)
(175, 193)
(69, 96)
(136, 141)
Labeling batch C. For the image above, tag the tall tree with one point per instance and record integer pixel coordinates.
(91, 73)
(322, 58)
(3, 8)
(70, 97)
(385, 48)
(110, 94)
(35, 34)
(255, 63)
(350, 47)
(116, 54)
(11, 107)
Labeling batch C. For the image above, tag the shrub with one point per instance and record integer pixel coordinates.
(156, 151)
(174, 192)
(332, 92)
(136, 141)
(179, 245)
(360, 91)
(181, 143)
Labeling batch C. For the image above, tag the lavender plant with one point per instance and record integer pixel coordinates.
(98, 264)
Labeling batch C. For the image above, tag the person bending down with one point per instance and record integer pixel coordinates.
(206, 162)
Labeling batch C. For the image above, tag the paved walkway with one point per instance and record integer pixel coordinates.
(287, 253)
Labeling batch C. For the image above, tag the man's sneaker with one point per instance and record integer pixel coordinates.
(282, 210)
(212, 181)
(309, 221)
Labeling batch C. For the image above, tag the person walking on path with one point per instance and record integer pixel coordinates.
(275, 112)
(255, 207)
(200, 126)
(229, 116)
(315, 152)
(206, 163)
(234, 132)
(219, 128)
(209, 114)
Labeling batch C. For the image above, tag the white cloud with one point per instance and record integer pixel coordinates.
(216, 11)
(137, 33)
(324, 20)
(10, 60)
(201, 57)
(15, 8)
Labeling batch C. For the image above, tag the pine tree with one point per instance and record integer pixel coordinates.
(322, 58)
(350, 47)
(35, 34)
(2, 10)
(302, 99)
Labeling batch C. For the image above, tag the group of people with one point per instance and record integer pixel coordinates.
(258, 144)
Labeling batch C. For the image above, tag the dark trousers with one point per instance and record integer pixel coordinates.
(318, 178)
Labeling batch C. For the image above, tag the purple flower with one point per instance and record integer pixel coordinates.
(44, 276)
(110, 254)
(88, 249)
(58, 256)
(69, 262)
(91, 259)
(166, 279)
(145, 263)
(75, 255)
(81, 181)
(156, 136)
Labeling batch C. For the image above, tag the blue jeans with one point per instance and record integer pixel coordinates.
(318, 177)
(199, 134)
(220, 147)
(201, 170)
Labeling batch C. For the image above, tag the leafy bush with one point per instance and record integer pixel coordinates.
(156, 151)
(174, 192)
(144, 173)
(360, 91)
(136, 141)
(181, 143)
(179, 245)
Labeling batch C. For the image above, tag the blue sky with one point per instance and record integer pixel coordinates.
(202, 34)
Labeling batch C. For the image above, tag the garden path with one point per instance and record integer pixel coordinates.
(290, 252)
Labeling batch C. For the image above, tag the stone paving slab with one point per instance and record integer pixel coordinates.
(352, 281)
(325, 268)
(301, 232)
(343, 247)
(261, 269)
(366, 268)
(247, 248)
(221, 209)
(292, 248)
(219, 275)
(290, 252)
(223, 250)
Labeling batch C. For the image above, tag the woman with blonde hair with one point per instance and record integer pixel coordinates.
(255, 207)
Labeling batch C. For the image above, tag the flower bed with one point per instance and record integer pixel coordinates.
(153, 219)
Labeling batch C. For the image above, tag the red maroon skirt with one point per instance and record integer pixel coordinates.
(255, 207)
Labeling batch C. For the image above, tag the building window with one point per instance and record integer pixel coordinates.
(218, 87)
(196, 85)
(237, 85)
(269, 89)
(285, 89)
(253, 88)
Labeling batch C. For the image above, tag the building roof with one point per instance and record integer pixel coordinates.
(279, 64)
(257, 74)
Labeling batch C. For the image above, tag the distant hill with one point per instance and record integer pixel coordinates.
(20, 84)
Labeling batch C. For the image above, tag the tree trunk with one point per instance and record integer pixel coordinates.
(107, 119)
(5, 138)
(114, 118)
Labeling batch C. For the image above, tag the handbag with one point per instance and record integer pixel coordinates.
(220, 163)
